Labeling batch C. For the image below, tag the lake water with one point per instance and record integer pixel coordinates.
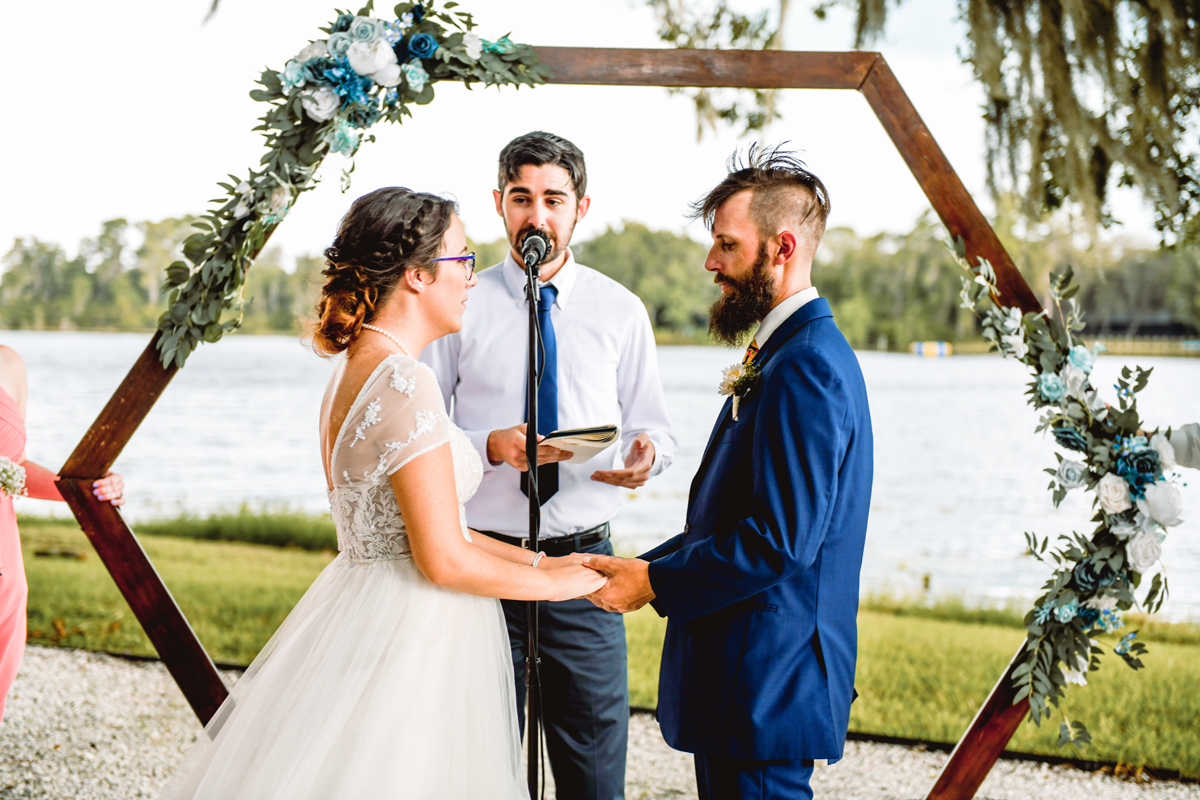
(958, 466)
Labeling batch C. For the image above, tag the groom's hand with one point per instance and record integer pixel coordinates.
(628, 587)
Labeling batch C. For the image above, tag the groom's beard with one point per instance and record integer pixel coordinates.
(734, 314)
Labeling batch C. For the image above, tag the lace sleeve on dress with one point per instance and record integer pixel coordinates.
(398, 416)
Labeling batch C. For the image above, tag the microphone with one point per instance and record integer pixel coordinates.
(534, 249)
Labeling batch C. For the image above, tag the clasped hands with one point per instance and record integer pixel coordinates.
(628, 587)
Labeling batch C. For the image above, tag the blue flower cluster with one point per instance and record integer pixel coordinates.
(1122, 649)
(1071, 438)
(1137, 462)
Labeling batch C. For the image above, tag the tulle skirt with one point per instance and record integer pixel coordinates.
(379, 684)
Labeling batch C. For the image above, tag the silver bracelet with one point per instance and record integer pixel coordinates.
(540, 555)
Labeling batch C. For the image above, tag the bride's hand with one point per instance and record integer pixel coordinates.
(558, 562)
(574, 580)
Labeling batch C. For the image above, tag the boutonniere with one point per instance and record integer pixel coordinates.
(12, 477)
(737, 380)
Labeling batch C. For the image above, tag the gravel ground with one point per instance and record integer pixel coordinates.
(92, 727)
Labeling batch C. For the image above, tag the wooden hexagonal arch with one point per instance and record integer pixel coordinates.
(868, 73)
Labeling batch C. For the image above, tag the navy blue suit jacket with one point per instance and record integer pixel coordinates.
(760, 591)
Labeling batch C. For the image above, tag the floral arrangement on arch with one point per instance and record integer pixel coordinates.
(365, 70)
(1129, 472)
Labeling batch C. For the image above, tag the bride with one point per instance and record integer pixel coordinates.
(392, 677)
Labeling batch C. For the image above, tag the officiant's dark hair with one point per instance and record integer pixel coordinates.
(538, 149)
(774, 175)
(383, 235)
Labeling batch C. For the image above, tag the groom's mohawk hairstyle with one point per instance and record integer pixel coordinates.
(784, 191)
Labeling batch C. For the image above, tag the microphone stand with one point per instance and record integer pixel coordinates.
(533, 683)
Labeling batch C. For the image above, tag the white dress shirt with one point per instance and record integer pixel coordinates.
(607, 375)
(776, 316)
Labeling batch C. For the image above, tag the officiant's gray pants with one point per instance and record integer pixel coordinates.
(585, 692)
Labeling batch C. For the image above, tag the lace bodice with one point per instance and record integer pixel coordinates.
(398, 415)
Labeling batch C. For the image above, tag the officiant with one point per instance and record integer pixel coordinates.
(601, 368)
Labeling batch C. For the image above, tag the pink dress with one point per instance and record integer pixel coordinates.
(12, 569)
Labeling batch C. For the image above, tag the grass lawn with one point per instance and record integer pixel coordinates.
(922, 672)
(235, 595)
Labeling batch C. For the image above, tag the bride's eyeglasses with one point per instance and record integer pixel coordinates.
(469, 260)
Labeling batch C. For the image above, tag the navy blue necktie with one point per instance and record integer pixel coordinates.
(547, 396)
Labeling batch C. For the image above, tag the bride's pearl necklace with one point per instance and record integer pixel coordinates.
(403, 349)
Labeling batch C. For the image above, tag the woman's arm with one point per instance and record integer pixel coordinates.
(42, 484)
(425, 492)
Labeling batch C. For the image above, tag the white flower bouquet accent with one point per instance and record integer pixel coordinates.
(12, 477)
(737, 380)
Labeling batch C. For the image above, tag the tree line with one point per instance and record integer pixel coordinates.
(886, 290)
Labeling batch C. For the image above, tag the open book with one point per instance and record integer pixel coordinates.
(583, 443)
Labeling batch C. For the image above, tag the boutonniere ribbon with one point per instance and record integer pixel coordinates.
(737, 380)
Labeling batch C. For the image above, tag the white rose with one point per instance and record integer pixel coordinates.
(1166, 453)
(1071, 474)
(388, 76)
(1163, 504)
(1074, 676)
(320, 104)
(1143, 551)
(370, 57)
(1075, 379)
(1016, 343)
(1012, 319)
(1113, 492)
(1122, 528)
(315, 50)
(276, 204)
(473, 46)
(1101, 603)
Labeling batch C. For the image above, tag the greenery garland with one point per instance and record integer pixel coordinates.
(366, 70)
(1131, 473)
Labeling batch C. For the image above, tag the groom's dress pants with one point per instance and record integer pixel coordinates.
(585, 692)
(720, 778)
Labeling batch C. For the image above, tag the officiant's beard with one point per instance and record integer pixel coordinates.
(733, 315)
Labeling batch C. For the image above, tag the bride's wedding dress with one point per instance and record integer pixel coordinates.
(379, 684)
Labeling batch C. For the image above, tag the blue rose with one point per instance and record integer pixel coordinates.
(315, 69)
(1086, 578)
(401, 49)
(1066, 613)
(1082, 358)
(1088, 616)
(1071, 439)
(418, 13)
(1051, 387)
(343, 23)
(1139, 464)
(422, 45)
(366, 29)
(339, 44)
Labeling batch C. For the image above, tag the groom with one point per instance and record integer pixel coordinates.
(760, 590)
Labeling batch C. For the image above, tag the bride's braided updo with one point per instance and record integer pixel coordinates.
(383, 235)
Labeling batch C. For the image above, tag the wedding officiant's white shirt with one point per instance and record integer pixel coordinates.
(607, 375)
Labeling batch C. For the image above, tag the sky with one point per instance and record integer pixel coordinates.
(143, 106)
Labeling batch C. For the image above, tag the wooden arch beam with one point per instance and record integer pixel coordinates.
(868, 73)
